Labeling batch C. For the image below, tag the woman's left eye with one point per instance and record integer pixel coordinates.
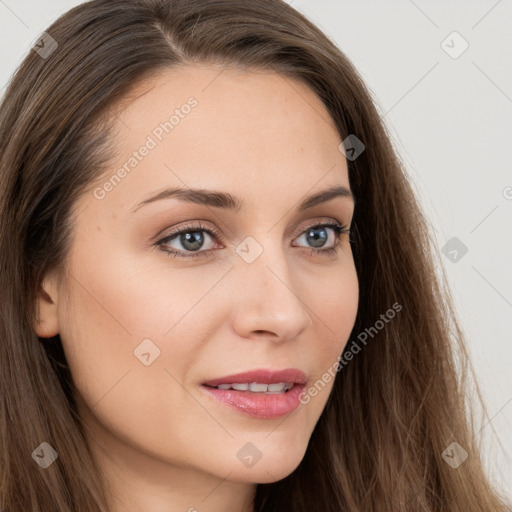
(192, 239)
(318, 235)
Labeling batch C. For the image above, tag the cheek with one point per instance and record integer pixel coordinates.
(110, 310)
(113, 307)
(335, 307)
(334, 310)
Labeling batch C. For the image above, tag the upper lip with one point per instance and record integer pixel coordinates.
(263, 376)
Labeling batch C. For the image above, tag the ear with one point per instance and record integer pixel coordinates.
(47, 320)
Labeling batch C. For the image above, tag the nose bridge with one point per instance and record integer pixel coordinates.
(269, 300)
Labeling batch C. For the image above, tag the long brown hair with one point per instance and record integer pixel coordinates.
(380, 444)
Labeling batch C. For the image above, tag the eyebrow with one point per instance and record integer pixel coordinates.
(228, 201)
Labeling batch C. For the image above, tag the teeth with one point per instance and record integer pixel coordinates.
(240, 387)
(277, 387)
(256, 387)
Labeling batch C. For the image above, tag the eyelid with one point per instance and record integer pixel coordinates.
(335, 225)
(191, 226)
(197, 226)
(329, 222)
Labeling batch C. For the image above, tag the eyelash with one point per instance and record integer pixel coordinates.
(338, 229)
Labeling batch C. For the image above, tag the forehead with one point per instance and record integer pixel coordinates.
(216, 127)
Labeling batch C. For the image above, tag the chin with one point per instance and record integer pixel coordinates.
(268, 469)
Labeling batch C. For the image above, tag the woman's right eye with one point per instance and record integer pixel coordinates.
(191, 239)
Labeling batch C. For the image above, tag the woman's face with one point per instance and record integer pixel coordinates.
(143, 329)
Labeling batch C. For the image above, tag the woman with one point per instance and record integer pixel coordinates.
(295, 353)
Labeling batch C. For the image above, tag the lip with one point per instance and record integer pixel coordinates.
(259, 405)
(263, 376)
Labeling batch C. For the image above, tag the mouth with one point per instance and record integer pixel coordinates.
(260, 381)
(257, 387)
(260, 393)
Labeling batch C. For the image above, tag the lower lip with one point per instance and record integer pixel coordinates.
(259, 405)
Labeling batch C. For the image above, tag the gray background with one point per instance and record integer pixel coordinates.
(451, 119)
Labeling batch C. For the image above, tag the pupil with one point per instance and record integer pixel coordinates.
(192, 240)
(317, 241)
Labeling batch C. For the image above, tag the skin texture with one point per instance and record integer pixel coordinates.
(162, 443)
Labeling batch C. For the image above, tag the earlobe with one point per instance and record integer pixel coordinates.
(47, 321)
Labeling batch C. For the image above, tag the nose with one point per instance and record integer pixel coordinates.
(270, 304)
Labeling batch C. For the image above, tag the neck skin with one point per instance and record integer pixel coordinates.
(137, 481)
